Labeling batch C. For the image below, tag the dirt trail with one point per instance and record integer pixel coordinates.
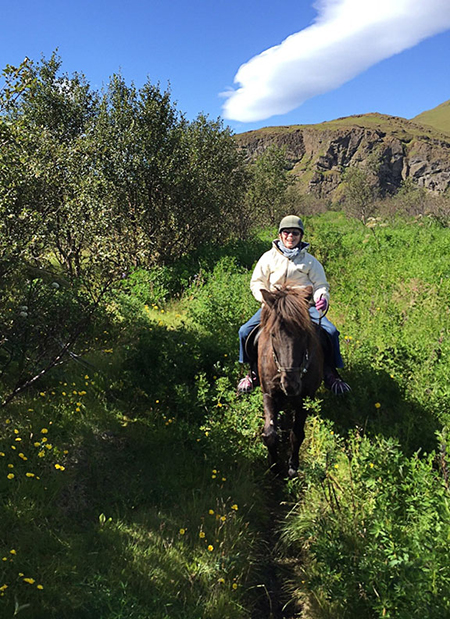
(273, 599)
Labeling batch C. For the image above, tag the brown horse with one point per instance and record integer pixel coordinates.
(290, 365)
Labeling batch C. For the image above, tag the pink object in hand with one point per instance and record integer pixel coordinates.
(322, 304)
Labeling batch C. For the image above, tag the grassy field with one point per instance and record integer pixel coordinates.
(133, 483)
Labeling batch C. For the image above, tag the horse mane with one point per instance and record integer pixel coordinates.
(290, 308)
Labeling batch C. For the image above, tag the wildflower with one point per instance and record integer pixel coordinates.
(221, 580)
(211, 512)
(13, 552)
(10, 466)
(235, 586)
(377, 405)
(37, 444)
(8, 421)
(86, 377)
(31, 581)
(59, 467)
(336, 466)
(4, 558)
(41, 454)
(48, 446)
(3, 587)
(10, 476)
(213, 476)
(210, 548)
(18, 439)
(44, 439)
(235, 507)
(44, 430)
(214, 471)
(16, 431)
(42, 393)
(64, 393)
(39, 587)
(201, 534)
(13, 447)
(224, 479)
(182, 531)
(371, 465)
(156, 401)
(2, 454)
(29, 474)
(223, 518)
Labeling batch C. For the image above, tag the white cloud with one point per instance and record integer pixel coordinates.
(347, 38)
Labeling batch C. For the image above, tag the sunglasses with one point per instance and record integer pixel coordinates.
(293, 232)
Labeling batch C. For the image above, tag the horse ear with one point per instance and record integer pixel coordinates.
(268, 297)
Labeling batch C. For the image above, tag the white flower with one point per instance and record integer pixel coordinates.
(55, 285)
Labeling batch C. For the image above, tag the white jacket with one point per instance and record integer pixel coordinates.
(274, 269)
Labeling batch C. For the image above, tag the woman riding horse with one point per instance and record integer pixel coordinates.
(289, 262)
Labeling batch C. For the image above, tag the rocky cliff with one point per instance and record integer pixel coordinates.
(393, 149)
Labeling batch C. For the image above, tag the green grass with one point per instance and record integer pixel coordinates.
(438, 117)
(147, 494)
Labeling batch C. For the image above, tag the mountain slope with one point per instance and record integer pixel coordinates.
(393, 149)
(438, 117)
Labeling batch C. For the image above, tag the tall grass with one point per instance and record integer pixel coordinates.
(134, 484)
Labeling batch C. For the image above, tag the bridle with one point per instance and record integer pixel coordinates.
(301, 369)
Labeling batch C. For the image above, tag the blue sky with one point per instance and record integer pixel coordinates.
(200, 45)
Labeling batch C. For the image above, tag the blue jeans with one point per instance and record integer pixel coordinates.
(326, 324)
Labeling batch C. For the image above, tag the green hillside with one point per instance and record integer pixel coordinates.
(438, 117)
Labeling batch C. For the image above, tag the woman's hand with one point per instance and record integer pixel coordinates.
(322, 304)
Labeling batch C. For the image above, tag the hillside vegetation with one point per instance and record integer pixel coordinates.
(133, 479)
(438, 117)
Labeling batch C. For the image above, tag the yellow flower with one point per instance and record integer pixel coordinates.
(235, 507)
(336, 466)
(41, 454)
(213, 476)
(37, 444)
(30, 474)
(224, 479)
(31, 581)
(44, 430)
(18, 439)
(377, 405)
(64, 393)
(201, 534)
(3, 587)
(371, 465)
(1, 453)
(210, 548)
(10, 476)
(211, 512)
(219, 404)
(223, 518)
(235, 586)
(214, 471)
(48, 446)
(12, 552)
(182, 531)
(86, 377)
(10, 466)
(16, 431)
(39, 587)
(42, 394)
(221, 580)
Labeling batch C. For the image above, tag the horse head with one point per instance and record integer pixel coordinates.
(286, 318)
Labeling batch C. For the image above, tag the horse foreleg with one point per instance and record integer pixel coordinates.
(297, 437)
(270, 435)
